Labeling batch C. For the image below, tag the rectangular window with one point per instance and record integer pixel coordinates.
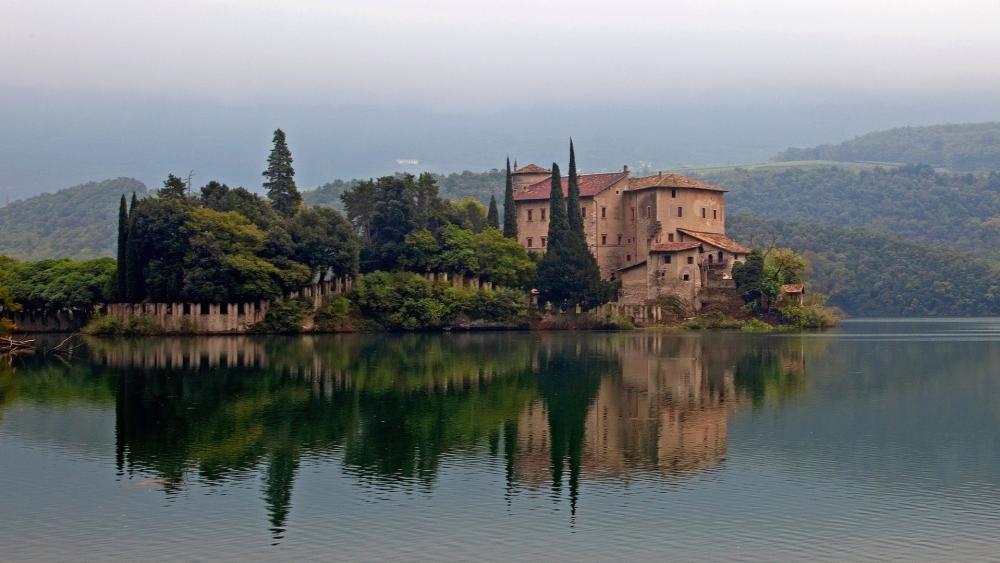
(715, 214)
(680, 211)
(604, 213)
(649, 211)
(667, 259)
(583, 212)
(670, 237)
(531, 215)
(604, 239)
(687, 277)
(704, 213)
(690, 259)
(619, 240)
(673, 192)
(530, 242)
(544, 241)
(721, 256)
(628, 257)
(541, 213)
(633, 214)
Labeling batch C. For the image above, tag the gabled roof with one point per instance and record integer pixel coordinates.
(717, 240)
(630, 266)
(793, 288)
(673, 246)
(590, 185)
(671, 181)
(531, 169)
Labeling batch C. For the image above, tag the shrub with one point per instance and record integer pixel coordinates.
(715, 320)
(113, 326)
(756, 325)
(285, 316)
(334, 315)
(808, 316)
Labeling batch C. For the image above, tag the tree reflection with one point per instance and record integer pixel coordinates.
(559, 408)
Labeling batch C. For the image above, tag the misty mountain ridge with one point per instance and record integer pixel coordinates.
(967, 147)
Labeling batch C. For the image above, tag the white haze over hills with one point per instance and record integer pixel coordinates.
(139, 88)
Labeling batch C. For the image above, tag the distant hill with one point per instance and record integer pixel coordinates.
(873, 274)
(963, 147)
(960, 211)
(78, 222)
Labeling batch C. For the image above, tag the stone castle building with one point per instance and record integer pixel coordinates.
(662, 234)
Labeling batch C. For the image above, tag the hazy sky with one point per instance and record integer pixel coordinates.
(103, 88)
(469, 55)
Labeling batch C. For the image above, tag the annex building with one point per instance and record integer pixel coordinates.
(659, 235)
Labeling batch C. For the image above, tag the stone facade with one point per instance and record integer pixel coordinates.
(662, 234)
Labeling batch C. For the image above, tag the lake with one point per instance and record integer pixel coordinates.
(879, 440)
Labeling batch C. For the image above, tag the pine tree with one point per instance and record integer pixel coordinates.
(509, 210)
(493, 215)
(573, 215)
(120, 276)
(280, 184)
(173, 187)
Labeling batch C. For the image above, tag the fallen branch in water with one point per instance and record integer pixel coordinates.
(11, 345)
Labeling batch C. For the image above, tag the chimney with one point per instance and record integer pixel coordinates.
(625, 169)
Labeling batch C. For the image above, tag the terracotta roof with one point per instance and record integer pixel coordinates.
(671, 181)
(793, 288)
(673, 246)
(718, 240)
(531, 169)
(590, 185)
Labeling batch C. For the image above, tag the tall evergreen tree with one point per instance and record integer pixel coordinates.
(509, 210)
(573, 215)
(493, 215)
(134, 282)
(280, 184)
(551, 277)
(122, 266)
(173, 187)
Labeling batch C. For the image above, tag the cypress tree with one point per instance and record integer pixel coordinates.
(280, 184)
(493, 215)
(134, 281)
(573, 216)
(551, 278)
(509, 210)
(122, 265)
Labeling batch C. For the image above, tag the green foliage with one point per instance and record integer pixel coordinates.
(755, 325)
(280, 184)
(964, 147)
(7, 303)
(120, 274)
(78, 222)
(468, 213)
(173, 187)
(221, 197)
(334, 315)
(807, 316)
(713, 321)
(493, 215)
(405, 301)
(285, 316)
(104, 325)
(51, 285)
(509, 209)
(913, 202)
(392, 218)
(867, 273)
(324, 241)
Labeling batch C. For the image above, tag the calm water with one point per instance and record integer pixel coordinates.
(878, 441)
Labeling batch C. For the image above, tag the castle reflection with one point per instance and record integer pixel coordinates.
(560, 408)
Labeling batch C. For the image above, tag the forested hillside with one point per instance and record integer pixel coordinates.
(78, 222)
(965, 147)
(872, 274)
(912, 202)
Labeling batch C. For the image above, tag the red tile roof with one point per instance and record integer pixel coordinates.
(793, 288)
(671, 181)
(673, 246)
(531, 169)
(717, 240)
(590, 185)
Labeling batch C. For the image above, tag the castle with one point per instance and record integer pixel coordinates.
(659, 235)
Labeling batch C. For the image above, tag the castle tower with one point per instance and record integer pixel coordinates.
(528, 175)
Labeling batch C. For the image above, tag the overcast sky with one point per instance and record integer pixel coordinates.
(470, 55)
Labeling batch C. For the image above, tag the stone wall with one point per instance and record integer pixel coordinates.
(59, 321)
